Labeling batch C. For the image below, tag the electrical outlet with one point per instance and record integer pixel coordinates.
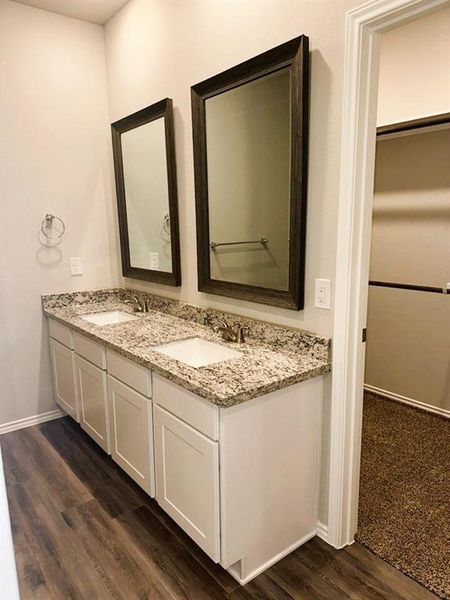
(322, 293)
(154, 261)
(76, 266)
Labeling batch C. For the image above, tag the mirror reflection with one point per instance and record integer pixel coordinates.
(144, 162)
(248, 146)
(147, 197)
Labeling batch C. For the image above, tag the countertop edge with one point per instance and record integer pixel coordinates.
(229, 401)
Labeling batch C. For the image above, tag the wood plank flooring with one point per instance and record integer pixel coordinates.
(83, 530)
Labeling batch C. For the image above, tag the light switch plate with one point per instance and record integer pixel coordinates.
(76, 266)
(322, 293)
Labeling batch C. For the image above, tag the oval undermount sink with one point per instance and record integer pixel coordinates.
(109, 317)
(197, 352)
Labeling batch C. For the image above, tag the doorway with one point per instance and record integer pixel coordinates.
(363, 26)
(404, 488)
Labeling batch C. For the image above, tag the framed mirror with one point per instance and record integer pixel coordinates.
(250, 126)
(146, 186)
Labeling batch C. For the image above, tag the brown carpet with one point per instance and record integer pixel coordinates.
(404, 505)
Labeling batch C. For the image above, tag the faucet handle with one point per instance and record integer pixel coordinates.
(241, 330)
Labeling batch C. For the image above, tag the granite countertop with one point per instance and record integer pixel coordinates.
(272, 357)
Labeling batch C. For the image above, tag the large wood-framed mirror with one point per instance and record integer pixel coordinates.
(146, 186)
(250, 126)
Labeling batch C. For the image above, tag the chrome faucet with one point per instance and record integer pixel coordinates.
(234, 334)
(139, 304)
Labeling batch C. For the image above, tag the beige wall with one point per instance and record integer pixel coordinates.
(414, 76)
(54, 158)
(408, 347)
(159, 49)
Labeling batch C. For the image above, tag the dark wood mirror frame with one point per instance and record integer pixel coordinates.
(294, 55)
(151, 113)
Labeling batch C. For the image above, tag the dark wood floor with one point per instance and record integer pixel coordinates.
(83, 530)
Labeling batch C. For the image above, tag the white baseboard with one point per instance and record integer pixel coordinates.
(270, 562)
(29, 421)
(405, 400)
(322, 532)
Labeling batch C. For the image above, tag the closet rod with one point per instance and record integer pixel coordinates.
(422, 123)
(408, 286)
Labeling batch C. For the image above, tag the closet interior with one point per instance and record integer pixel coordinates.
(404, 491)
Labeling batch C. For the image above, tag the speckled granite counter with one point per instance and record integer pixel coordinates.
(272, 358)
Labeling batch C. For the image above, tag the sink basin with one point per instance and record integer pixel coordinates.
(109, 317)
(197, 352)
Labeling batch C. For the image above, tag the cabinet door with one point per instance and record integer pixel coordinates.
(132, 433)
(187, 479)
(92, 394)
(64, 378)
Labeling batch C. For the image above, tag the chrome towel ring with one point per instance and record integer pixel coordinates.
(53, 227)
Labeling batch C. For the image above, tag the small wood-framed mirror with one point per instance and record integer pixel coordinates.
(250, 126)
(146, 186)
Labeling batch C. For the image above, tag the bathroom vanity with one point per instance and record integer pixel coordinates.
(230, 449)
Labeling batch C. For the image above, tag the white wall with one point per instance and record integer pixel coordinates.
(414, 78)
(54, 158)
(158, 49)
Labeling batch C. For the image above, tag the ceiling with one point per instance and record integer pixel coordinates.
(93, 11)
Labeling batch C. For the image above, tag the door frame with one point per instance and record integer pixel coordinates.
(363, 24)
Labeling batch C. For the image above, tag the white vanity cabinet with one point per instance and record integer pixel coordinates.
(187, 479)
(241, 481)
(91, 383)
(131, 420)
(92, 392)
(63, 367)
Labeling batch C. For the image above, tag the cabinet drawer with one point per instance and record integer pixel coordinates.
(132, 433)
(187, 479)
(60, 332)
(134, 375)
(90, 350)
(189, 407)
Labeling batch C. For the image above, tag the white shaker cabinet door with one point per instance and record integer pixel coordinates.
(64, 378)
(132, 433)
(187, 479)
(93, 397)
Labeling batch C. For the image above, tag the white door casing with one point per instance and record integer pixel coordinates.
(363, 24)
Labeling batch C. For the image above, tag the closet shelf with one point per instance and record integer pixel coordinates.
(413, 126)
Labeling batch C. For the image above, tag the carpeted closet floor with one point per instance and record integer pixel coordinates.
(404, 506)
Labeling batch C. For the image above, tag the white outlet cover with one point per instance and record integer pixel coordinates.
(322, 293)
(76, 266)
(154, 261)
